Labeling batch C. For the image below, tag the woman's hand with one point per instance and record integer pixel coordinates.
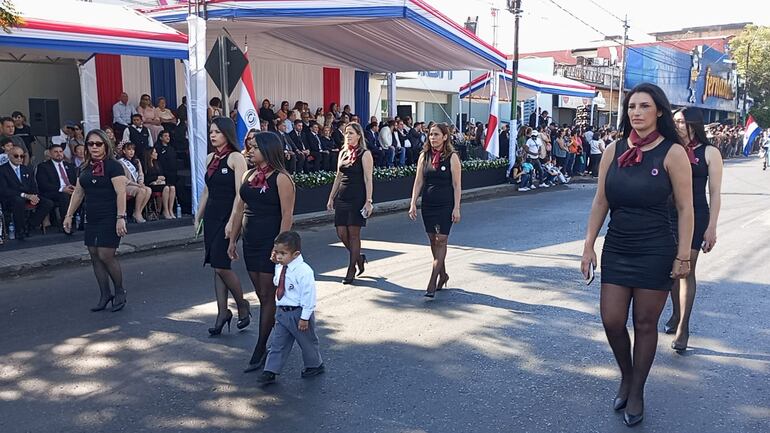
(120, 227)
(680, 269)
(709, 239)
(196, 223)
(368, 208)
(232, 250)
(330, 205)
(67, 224)
(588, 260)
(413, 212)
(228, 230)
(456, 215)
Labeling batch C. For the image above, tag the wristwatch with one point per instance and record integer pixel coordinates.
(121, 217)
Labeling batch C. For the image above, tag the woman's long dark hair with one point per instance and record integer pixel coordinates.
(665, 125)
(227, 128)
(448, 148)
(147, 159)
(693, 117)
(269, 145)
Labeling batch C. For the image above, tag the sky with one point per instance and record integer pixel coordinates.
(544, 26)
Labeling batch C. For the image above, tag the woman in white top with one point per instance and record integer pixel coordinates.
(135, 174)
(597, 148)
(166, 116)
(150, 117)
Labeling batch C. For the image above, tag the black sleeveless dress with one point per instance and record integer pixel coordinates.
(438, 199)
(639, 248)
(351, 195)
(700, 179)
(101, 205)
(261, 223)
(219, 205)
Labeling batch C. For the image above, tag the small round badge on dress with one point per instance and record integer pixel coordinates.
(224, 171)
(654, 172)
(443, 168)
(93, 180)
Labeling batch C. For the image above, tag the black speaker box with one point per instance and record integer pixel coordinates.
(44, 117)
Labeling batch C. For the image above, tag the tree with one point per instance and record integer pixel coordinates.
(9, 17)
(755, 41)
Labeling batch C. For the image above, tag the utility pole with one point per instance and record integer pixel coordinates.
(514, 7)
(471, 26)
(623, 69)
(746, 82)
(494, 26)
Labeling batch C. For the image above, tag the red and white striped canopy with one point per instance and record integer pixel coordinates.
(529, 85)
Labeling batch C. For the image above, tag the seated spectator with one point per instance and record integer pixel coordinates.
(553, 173)
(6, 144)
(75, 136)
(334, 109)
(319, 116)
(121, 114)
(79, 157)
(329, 120)
(215, 109)
(167, 118)
(56, 179)
(319, 157)
(338, 134)
(264, 125)
(22, 129)
(266, 113)
(154, 178)
(110, 134)
(168, 160)
(8, 129)
(386, 142)
(150, 117)
(372, 136)
(527, 176)
(399, 142)
(328, 145)
(294, 159)
(346, 111)
(135, 187)
(298, 139)
(18, 191)
(138, 134)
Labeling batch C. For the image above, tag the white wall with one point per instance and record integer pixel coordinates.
(21, 81)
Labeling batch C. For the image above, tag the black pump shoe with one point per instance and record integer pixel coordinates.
(632, 420)
(101, 306)
(119, 301)
(619, 403)
(217, 329)
(246, 321)
(361, 262)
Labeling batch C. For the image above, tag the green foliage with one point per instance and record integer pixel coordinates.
(9, 17)
(756, 41)
(320, 178)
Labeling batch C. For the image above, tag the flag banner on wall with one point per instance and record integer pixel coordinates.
(247, 105)
(492, 141)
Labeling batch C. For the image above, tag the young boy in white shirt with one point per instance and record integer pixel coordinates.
(295, 304)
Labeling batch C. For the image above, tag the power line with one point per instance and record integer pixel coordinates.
(606, 10)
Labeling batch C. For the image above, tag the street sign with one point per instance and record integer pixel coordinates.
(236, 63)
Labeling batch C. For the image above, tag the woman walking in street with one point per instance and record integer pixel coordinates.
(438, 180)
(225, 169)
(102, 183)
(264, 208)
(640, 258)
(706, 163)
(351, 196)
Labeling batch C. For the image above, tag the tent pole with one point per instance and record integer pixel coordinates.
(223, 75)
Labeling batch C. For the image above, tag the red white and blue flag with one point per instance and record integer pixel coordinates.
(492, 141)
(749, 135)
(247, 105)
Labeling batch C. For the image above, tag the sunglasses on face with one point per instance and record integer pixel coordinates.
(21, 156)
(94, 143)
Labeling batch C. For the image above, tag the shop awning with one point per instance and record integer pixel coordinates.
(529, 85)
(64, 29)
(369, 35)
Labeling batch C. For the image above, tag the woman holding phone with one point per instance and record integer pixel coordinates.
(641, 258)
(438, 180)
(351, 196)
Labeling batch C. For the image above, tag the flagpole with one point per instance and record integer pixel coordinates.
(514, 6)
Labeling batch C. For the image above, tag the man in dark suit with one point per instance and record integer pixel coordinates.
(372, 136)
(18, 189)
(320, 157)
(297, 137)
(56, 179)
(289, 151)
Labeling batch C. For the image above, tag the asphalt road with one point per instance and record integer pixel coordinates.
(514, 345)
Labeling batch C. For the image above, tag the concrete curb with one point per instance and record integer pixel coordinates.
(145, 242)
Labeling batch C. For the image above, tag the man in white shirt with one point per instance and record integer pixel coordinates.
(295, 307)
(121, 114)
(533, 153)
(56, 178)
(386, 142)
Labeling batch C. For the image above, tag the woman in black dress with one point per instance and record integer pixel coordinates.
(168, 164)
(225, 169)
(351, 196)
(102, 183)
(438, 180)
(641, 258)
(706, 162)
(265, 207)
(155, 178)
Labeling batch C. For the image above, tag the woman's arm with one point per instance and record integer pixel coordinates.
(287, 194)
(237, 162)
(599, 209)
(139, 173)
(417, 187)
(457, 185)
(368, 164)
(335, 185)
(235, 223)
(714, 161)
(680, 171)
(119, 183)
(75, 201)
(204, 196)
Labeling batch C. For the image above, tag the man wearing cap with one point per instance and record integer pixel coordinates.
(121, 114)
(533, 152)
(56, 178)
(8, 129)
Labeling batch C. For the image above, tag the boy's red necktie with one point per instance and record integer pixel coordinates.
(281, 284)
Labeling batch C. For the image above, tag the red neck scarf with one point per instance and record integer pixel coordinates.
(690, 148)
(436, 159)
(260, 180)
(214, 164)
(353, 154)
(97, 167)
(634, 155)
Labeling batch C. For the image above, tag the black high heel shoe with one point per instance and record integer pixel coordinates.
(678, 349)
(246, 321)
(361, 262)
(217, 329)
(101, 306)
(632, 420)
(119, 301)
(619, 403)
(442, 282)
(350, 276)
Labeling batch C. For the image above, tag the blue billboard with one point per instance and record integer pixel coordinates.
(701, 78)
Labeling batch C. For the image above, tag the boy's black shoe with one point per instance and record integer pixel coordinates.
(266, 378)
(315, 371)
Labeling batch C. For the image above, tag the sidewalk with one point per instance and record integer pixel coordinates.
(27, 260)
